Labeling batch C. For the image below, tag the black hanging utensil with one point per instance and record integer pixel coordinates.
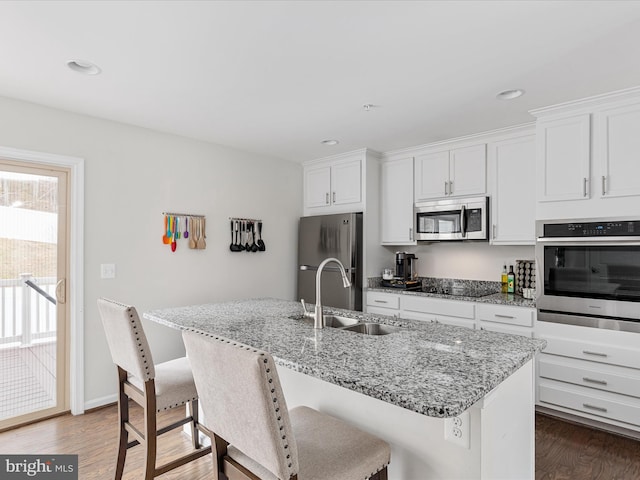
(261, 245)
(254, 247)
(240, 245)
(247, 247)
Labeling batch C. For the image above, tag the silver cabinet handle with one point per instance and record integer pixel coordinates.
(597, 354)
(411, 234)
(381, 301)
(604, 185)
(451, 188)
(594, 407)
(584, 187)
(334, 197)
(446, 187)
(503, 316)
(494, 231)
(593, 380)
(326, 198)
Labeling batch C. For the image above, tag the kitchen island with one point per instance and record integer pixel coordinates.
(416, 387)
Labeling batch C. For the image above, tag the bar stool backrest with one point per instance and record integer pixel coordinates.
(242, 400)
(127, 341)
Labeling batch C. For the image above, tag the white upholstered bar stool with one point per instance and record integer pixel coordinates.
(253, 433)
(153, 387)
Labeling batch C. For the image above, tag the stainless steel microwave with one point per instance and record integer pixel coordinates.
(452, 219)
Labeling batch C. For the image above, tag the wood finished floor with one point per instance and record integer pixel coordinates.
(563, 450)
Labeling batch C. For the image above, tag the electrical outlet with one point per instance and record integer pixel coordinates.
(457, 429)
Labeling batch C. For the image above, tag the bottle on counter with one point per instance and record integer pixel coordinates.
(511, 280)
(503, 279)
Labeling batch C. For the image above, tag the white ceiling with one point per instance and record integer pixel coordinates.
(279, 77)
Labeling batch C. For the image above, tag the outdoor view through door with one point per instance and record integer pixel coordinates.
(33, 272)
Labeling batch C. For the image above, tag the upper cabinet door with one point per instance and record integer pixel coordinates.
(513, 202)
(346, 182)
(432, 176)
(396, 203)
(317, 187)
(617, 144)
(563, 151)
(468, 171)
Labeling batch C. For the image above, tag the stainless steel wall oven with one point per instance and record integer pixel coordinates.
(589, 273)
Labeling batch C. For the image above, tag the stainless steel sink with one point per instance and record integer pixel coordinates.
(372, 328)
(334, 321)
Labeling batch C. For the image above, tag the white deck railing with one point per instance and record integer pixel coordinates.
(25, 315)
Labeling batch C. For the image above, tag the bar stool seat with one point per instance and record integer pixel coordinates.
(327, 448)
(174, 384)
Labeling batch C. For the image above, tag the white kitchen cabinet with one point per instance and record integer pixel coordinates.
(586, 157)
(333, 184)
(451, 312)
(590, 374)
(617, 143)
(456, 172)
(506, 319)
(396, 202)
(383, 303)
(513, 195)
(564, 150)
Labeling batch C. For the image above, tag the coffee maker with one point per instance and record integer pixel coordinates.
(405, 273)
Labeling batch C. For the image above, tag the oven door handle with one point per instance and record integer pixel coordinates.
(635, 240)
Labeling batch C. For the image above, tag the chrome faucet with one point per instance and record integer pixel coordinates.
(319, 316)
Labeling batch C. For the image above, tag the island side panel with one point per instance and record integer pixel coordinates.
(507, 437)
(501, 434)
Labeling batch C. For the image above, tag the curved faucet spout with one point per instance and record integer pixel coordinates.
(319, 316)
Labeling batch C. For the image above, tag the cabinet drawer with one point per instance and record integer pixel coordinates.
(392, 312)
(384, 300)
(493, 327)
(436, 306)
(423, 317)
(590, 402)
(457, 321)
(500, 314)
(595, 352)
(608, 377)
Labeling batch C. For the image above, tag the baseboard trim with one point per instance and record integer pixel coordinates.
(100, 402)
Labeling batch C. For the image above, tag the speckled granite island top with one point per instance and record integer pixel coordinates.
(430, 368)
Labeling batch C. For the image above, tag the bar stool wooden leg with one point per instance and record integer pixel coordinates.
(150, 429)
(123, 419)
(195, 435)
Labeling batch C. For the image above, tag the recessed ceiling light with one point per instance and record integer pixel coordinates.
(510, 94)
(368, 106)
(329, 142)
(82, 66)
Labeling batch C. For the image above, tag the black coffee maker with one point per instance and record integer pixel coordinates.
(405, 275)
(405, 265)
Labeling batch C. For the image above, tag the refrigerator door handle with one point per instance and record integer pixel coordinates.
(313, 268)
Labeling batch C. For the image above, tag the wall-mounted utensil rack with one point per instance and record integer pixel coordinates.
(187, 226)
(243, 235)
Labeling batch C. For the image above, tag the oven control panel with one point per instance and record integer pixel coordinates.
(593, 229)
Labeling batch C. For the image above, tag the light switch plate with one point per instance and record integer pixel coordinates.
(107, 270)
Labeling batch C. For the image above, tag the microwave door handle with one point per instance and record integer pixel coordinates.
(463, 227)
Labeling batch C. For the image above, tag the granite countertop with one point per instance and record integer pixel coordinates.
(494, 298)
(429, 368)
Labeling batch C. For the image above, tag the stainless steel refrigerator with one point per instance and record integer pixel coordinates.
(325, 236)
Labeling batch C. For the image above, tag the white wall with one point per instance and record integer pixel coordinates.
(132, 175)
(464, 260)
